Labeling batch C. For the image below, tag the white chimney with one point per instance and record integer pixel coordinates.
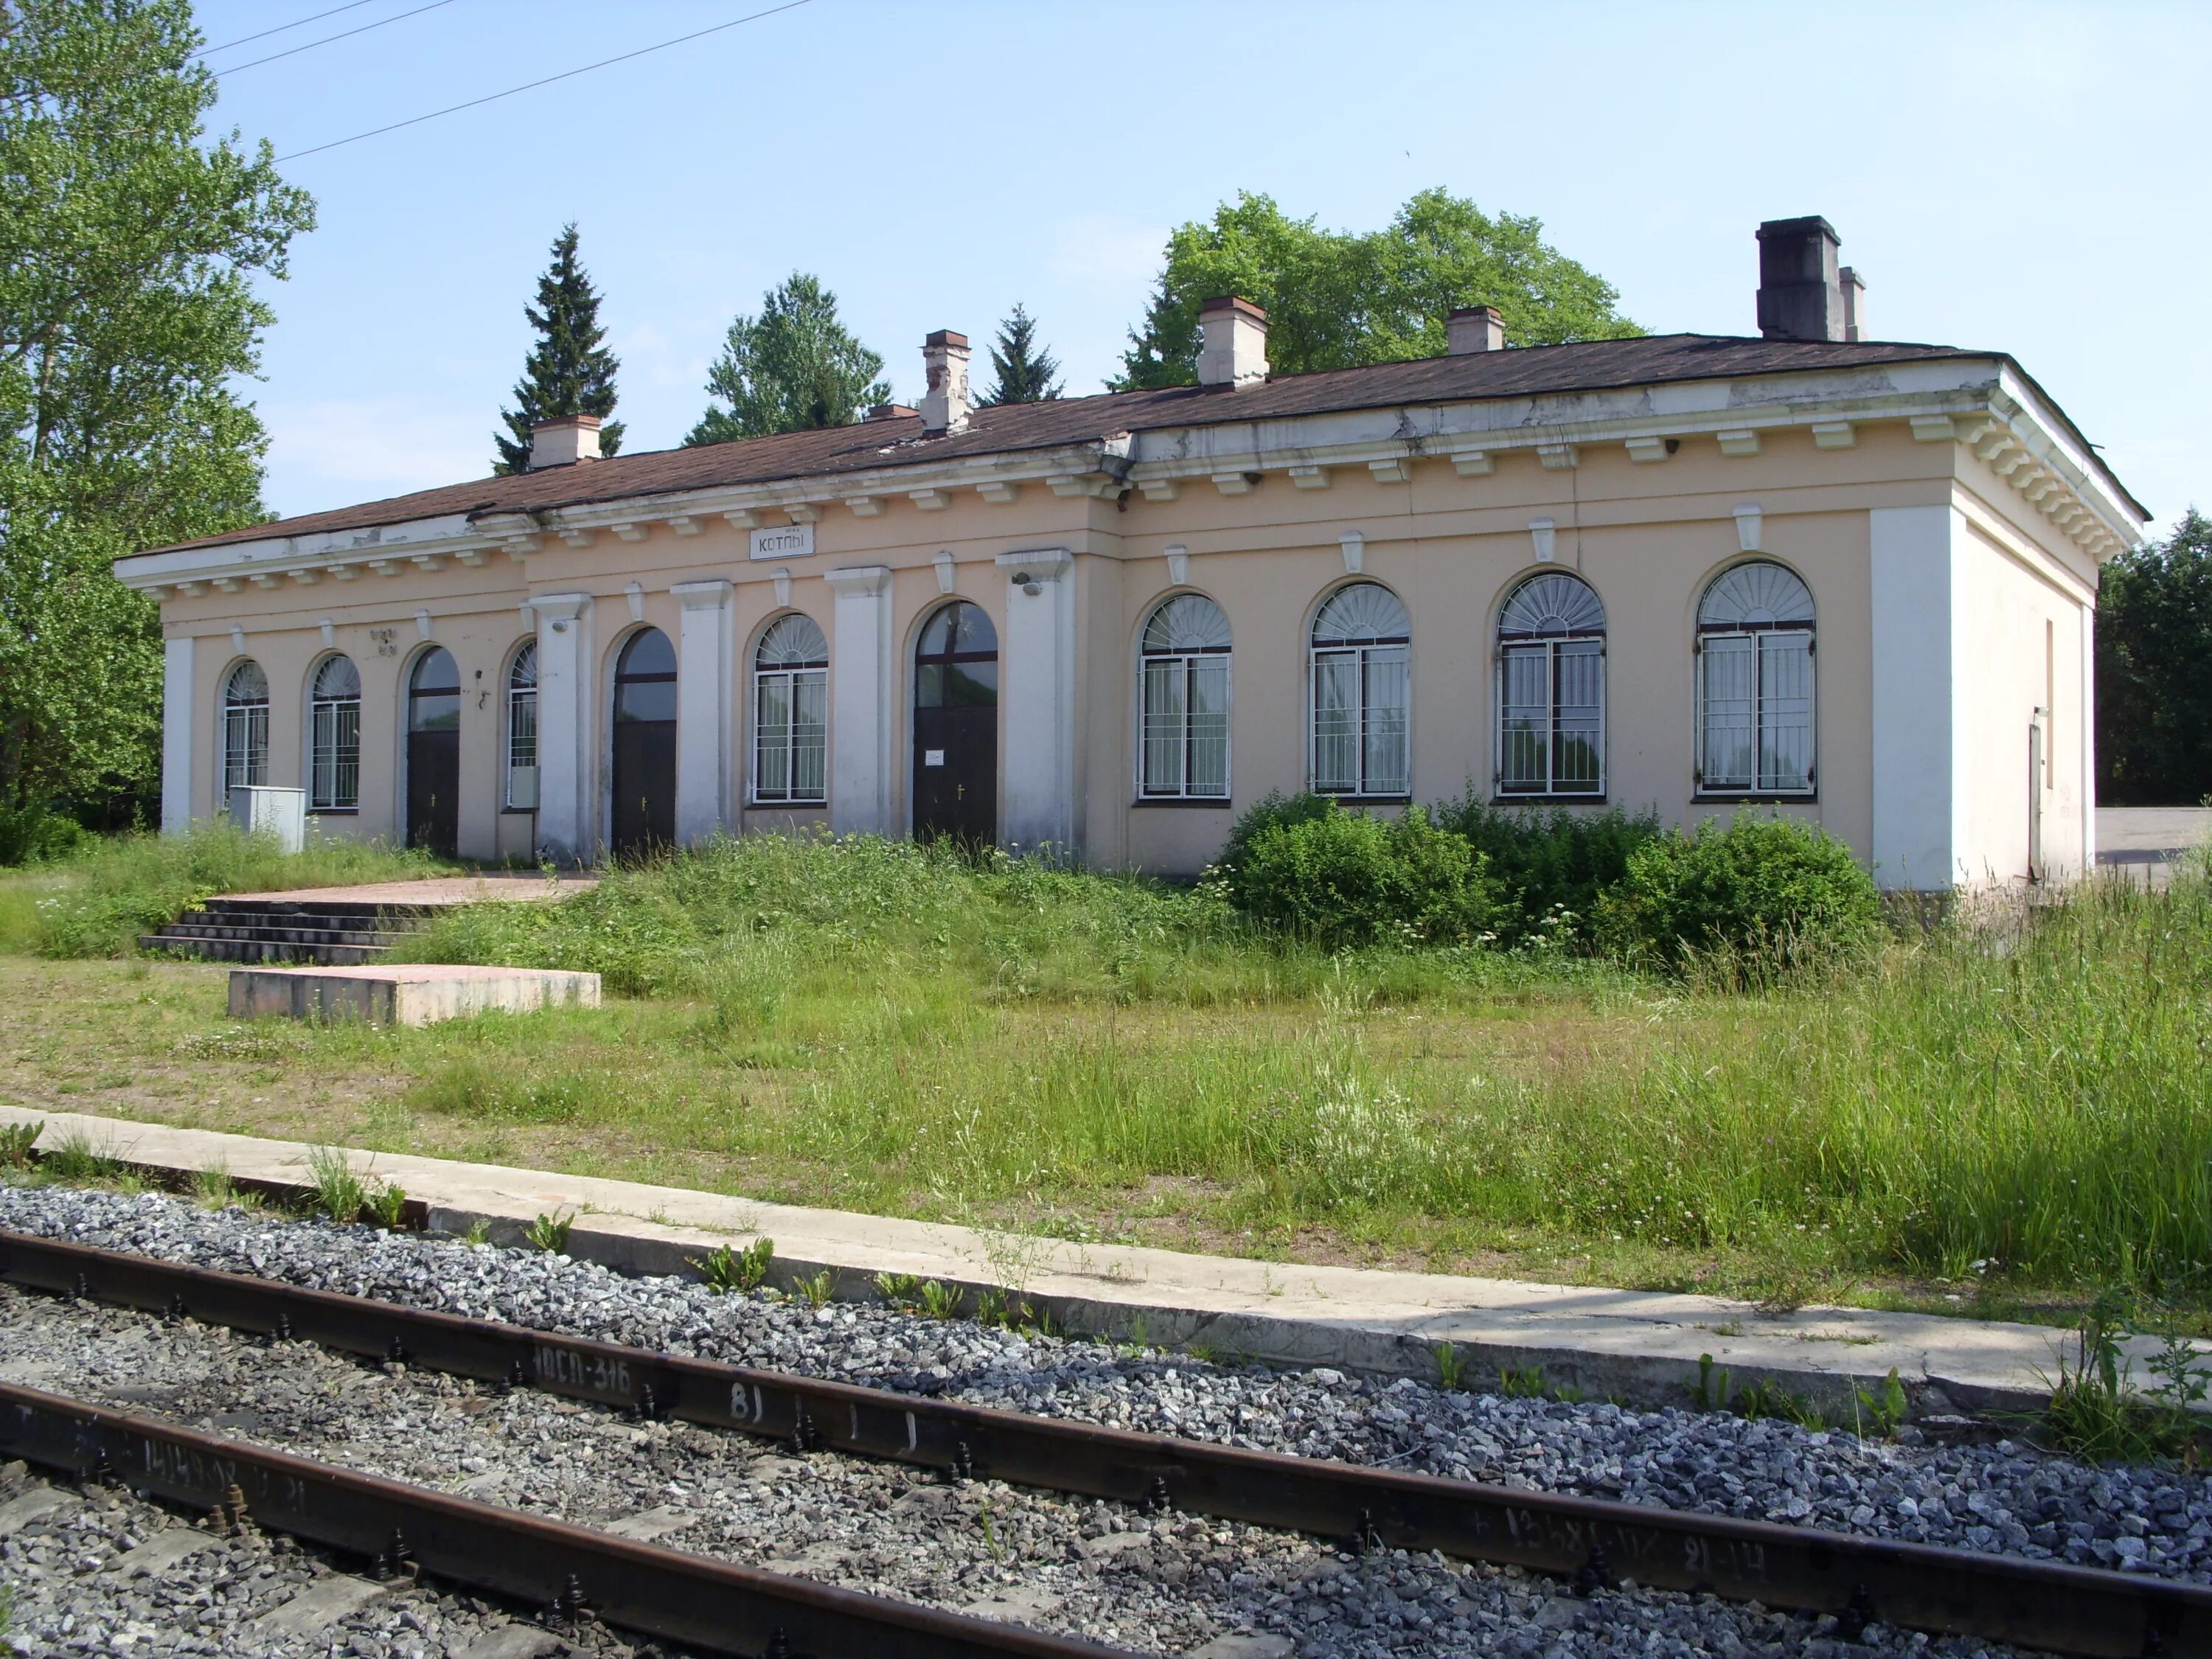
(944, 370)
(1234, 352)
(1476, 328)
(1854, 303)
(564, 441)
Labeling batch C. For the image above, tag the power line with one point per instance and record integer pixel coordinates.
(565, 74)
(347, 35)
(350, 5)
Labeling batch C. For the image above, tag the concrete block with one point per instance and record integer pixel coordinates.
(403, 994)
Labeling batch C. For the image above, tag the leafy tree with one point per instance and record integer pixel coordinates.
(793, 367)
(1027, 373)
(129, 245)
(1342, 299)
(568, 371)
(2154, 671)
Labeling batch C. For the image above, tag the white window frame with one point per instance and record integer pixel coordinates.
(250, 720)
(1552, 648)
(790, 678)
(1365, 657)
(1184, 665)
(333, 745)
(516, 699)
(1760, 642)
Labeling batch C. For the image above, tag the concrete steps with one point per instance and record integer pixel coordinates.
(333, 933)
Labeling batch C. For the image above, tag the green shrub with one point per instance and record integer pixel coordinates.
(1548, 864)
(1759, 894)
(33, 834)
(1343, 878)
(1273, 810)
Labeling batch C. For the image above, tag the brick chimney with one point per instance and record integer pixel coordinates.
(1801, 295)
(1476, 328)
(1234, 352)
(564, 441)
(944, 370)
(1854, 292)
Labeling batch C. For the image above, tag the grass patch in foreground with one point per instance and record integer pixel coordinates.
(96, 902)
(2008, 1111)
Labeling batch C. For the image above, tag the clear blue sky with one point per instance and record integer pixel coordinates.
(2022, 178)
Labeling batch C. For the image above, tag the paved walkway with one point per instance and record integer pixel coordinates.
(2149, 839)
(1642, 1345)
(521, 886)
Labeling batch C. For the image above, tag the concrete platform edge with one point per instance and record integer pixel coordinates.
(1642, 1347)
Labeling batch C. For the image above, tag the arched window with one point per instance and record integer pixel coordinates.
(522, 730)
(1359, 686)
(1754, 680)
(245, 727)
(1184, 743)
(791, 712)
(1551, 689)
(334, 737)
(434, 692)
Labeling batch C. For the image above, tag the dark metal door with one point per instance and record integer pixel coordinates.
(955, 774)
(433, 788)
(645, 745)
(645, 785)
(955, 728)
(434, 752)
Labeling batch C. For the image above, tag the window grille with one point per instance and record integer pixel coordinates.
(791, 717)
(334, 737)
(245, 727)
(1359, 672)
(522, 730)
(1183, 743)
(1551, 689)
(1755, 683)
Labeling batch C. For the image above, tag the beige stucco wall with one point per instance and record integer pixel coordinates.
(1647, 535)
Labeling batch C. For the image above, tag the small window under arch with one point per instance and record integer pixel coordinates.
(522, 729)
(245, 727)
(1755, 683)
(791, 712)
(1551, 689)
(1184, 737)
(334, 737)
(1360, 675)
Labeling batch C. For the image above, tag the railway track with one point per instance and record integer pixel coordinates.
(1861, 1580)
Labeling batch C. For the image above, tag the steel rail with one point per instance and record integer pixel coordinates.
(577, 1571)
(2044, 1605)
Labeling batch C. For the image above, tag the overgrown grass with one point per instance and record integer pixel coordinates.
(2011, 1102)
(95, 902)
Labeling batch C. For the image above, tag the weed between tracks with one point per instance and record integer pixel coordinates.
(1999, 1116)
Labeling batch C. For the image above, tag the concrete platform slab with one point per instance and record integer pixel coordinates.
(521, 887)
(406, 993)
(1641, 1346)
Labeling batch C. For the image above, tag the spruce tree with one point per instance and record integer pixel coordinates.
(568, 371)
(1027, 372)
(794, 367)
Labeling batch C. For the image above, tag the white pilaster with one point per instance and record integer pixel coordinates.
(2085, 719)
(1037, 693)
(861, 675)
(177, 723)
(1919, 806)
(565, 798)
(703, 655)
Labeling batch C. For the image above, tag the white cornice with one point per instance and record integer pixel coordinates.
(1983, 400)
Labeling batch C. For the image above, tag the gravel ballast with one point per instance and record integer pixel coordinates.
(2004, 1498)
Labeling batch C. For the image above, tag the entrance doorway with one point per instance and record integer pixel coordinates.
(955, 728)
(645, 744)
(434, 752)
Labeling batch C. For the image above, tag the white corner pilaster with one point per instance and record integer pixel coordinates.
(1038, 697)
(861, 676)
(704, 652)
(565, 798)
(2087, 720)
(177, 699)
(1919, 806)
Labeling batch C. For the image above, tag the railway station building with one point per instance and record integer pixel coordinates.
(1845, 579)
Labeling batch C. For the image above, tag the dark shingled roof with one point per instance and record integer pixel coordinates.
(1587, 366)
